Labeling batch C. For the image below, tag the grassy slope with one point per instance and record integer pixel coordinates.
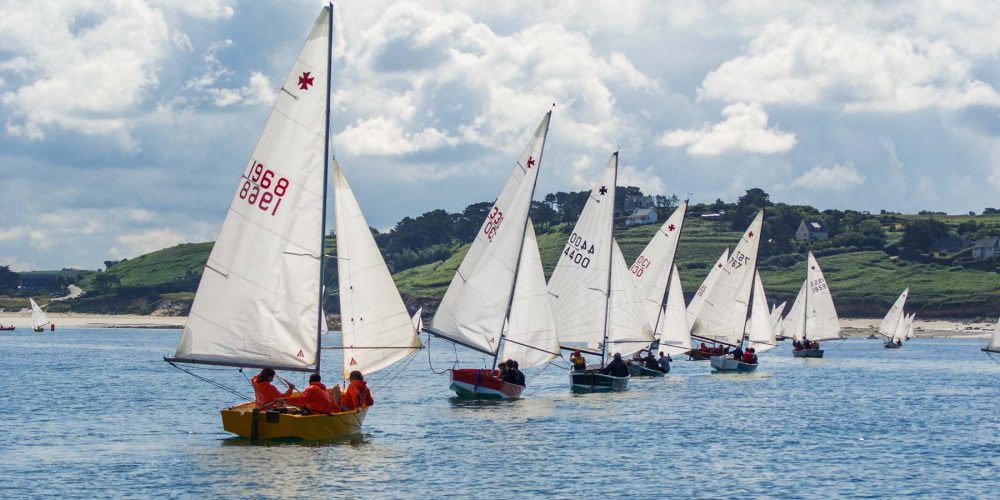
(160, 267)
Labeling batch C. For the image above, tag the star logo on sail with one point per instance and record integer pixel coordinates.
(750, 234)
(603, 190)
(305, 81)
(531, 161)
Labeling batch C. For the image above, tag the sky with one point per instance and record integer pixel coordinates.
(126, 124)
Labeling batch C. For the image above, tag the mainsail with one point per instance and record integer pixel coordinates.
(38, 318)
(258, 301)
(578, 287)
(531, 333)
(694, 307)
(813, 314)
(651, 269)
(377, 330)
(723, 315)
(893, 320)
(475, 306)
(673, 330)
(994, 343)
(759, 328)
(628, 329)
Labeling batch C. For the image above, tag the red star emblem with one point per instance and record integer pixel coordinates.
(305, 81)
(531, 161)
(750, 234)
(720, 265)
(671, 228)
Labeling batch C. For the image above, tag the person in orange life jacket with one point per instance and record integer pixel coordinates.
(265, 393)
(357, 395)
(317, 398)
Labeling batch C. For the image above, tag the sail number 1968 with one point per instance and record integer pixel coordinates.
(261, 189)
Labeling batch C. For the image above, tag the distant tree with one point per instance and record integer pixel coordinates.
(967, 227)
(9, 280)
(991, 211)
(747, 207)
(919, 235)
(105, 281)
(467, 223)
(109, 263)
(622, 193)
(871, 228)
(542, 214)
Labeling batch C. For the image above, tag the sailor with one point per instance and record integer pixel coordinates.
(579, 364)
(514, 376)
(357, 395)
(317, 398)
(617, 367)
(265, 393)
(748, 357)
(738, 353)
(650, 361)
(665, 362)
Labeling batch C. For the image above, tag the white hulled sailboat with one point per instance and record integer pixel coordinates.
(38, 318)
(813, 317)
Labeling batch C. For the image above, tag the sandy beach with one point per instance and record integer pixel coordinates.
(853, 327)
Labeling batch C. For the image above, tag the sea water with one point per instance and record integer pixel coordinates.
(96, 412)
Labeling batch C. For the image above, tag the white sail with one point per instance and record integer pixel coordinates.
(418, 320)
(258, 300)
(723, 315)
(822, 322)
(531, 333)
(628, 328)
(38, 318)
(776, 323)
(651, 269)
(578, 287)
(795, 321)
(891, 322)
(759, 328)
(474, 307)
(699, 296)
(673, 330)
(376, 328)
(909, 326)
(994, 343)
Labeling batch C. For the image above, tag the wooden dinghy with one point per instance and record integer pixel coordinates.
(808, 353)
(473, 383)
(594, 381)
(638, 370)
(247, 422)
(723, 364)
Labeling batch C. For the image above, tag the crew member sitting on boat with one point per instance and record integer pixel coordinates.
(357, 395)
(579, 364)
(512, 375)
(317, 398)
(265, 393)
(738, 354)
(617, 367)
(665, 362)
(749, 357)
(650, 361)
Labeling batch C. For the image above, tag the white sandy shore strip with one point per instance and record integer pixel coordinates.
(851, 326)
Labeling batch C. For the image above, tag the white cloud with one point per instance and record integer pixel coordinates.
(744, 129)
(850, 67)
(645, 179)
(838, 177)
(383, 136)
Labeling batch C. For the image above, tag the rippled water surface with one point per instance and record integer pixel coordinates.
(94, 412)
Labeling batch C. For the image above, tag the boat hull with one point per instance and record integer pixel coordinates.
(808, 353)
(721, 364)
(592, 381)
(700, 355)
(891, 345)
(636, 370)
(6, 328)
(272, 425)
(470, 383)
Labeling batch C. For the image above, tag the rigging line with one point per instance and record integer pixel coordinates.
(395, 372)
(430, 364)
(212, 382)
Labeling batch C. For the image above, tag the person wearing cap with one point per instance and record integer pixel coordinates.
(617, 367)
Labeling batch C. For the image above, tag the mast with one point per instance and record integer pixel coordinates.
(517, 269)
(320, 325)
(805, 300)
(611, 239)
(746, 316)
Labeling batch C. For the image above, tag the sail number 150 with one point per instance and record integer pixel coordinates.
(261, 189)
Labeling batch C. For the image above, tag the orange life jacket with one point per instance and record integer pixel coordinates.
(357, 396)
(266, 393)
(315, 398)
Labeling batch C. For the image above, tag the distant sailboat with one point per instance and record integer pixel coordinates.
(38, 318)
(893, 325)
(723, 316)
(418, 320)
(813, 317)
(259, 302)
(477, 306)
(776, 320)
(594, 302)
(694, 307)
(993, 345)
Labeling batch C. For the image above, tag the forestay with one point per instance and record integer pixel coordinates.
(628, 329)
(578, 287)
(531, 333)
(822, 322)
(38, 318)
(474, 307)
(258, 300)
(377, 330)
(761, 334)
(651, 269)
(723, 315)
(694, 307)
(673, 330)
(891, 322)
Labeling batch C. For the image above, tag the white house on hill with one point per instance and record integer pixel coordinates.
(811, 230)
(986, 248)
(641, 216)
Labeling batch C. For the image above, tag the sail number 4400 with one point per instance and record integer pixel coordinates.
(577, 250)
(261, 189)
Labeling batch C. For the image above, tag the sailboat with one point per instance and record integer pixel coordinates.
(723, 315)
(477, 306)
(776, 320)
(594, 303)
(38, 318)
(259, 302)
(651, 274)
(893, 325)
(673, 331)
(993, 346)
(813, 317)
(694, 307)
(760, 329)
